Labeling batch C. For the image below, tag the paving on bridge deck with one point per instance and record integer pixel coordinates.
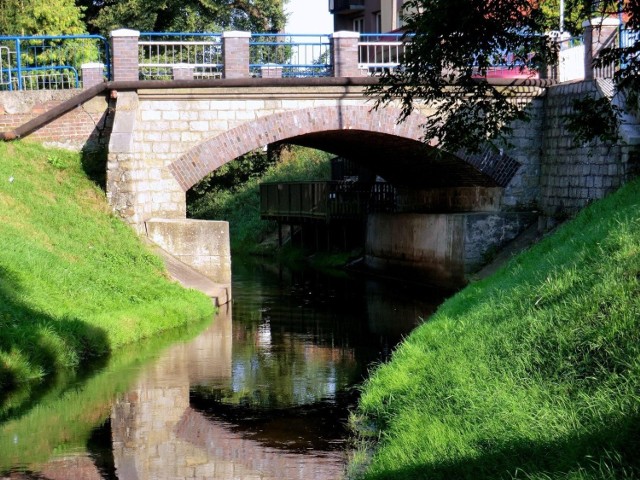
(190, 278)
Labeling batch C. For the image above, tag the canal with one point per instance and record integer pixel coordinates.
(263, 392)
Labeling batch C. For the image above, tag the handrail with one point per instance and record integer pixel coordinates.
(325, 200)
(381, 51)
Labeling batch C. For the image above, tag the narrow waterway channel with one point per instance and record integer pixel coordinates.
(262, 393)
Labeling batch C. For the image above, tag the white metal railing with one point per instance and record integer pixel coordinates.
(50, 80)
(571, 63)
(380, 52)
(160, 53)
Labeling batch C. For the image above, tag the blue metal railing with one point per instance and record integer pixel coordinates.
(304, 55)
(49, 61)
(627, 40)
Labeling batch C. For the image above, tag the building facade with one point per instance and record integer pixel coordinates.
(366, 16)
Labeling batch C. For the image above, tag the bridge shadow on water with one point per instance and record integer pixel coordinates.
(609, 450)
(44, 341)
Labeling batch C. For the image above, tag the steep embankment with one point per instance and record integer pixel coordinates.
(75, 282)
(531, 373)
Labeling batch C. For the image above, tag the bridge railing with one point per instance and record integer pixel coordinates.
(381, 52)
(571, 59)
(325, 200)
(160, 53)
(49, 62)
(290, 55)
(629, 38)
(54, 62)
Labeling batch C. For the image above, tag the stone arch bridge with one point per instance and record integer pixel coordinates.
(167, 136)
(165, 140)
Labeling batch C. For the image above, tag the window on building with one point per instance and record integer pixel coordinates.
(358, 24)
(378, 22)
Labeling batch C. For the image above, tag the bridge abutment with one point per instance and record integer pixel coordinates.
(139, 186)
(439, 248)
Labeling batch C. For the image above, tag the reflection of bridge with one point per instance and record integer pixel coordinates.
(157, 434)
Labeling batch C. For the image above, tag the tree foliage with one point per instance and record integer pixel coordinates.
(456, 43)
(575, 12)
(102, 16)
(40, 17)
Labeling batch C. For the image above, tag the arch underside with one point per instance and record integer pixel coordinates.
(373, 139)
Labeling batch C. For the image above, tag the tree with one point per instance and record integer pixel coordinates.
(456, 43)
(40, 17)
(575, 13)
(102, 16)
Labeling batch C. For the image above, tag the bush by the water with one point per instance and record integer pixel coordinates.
(75, 281)
(533, 373)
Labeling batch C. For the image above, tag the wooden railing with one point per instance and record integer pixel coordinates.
(326, 201)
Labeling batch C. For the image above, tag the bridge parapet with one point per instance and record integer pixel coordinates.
(162, 56)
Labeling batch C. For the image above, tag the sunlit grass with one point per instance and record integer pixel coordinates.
(532, 373)
(75, 281)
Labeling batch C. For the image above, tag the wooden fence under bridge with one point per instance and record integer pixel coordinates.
(326, 204)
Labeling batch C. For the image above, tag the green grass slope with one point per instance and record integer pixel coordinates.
(75, 282)
(532, 373)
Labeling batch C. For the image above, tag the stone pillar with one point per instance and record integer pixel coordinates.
(92, 74)
(124, 52)
(344, 54)
(183, 71)
(599, 33)
(235, 54)
(271, 70)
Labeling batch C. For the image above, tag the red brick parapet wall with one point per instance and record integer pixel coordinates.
(86, 126)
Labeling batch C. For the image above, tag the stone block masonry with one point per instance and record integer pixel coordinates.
(203, 245)
(572, 176)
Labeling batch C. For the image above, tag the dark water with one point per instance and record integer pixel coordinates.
(262, 393)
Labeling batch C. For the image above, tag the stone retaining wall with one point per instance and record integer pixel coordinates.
(571, 176)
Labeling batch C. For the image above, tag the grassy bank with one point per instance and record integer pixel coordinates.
(532, 373)
(75, 282)
(240, 205)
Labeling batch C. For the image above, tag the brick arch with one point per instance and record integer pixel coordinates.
(485, 169)
(201, 160)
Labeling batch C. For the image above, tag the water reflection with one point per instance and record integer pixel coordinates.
(262, 395)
